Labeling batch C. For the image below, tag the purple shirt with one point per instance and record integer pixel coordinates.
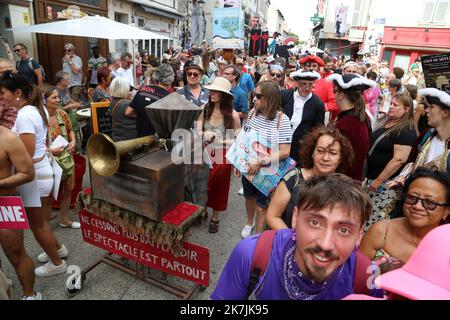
(234, 280)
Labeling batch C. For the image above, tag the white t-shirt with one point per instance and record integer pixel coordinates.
(29, 120)
(436, 150)
(299, 105)
(268, 129)
(127, 74)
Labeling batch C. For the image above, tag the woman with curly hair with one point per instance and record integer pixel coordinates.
(324, 151)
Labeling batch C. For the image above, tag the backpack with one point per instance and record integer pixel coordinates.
(263, 251)
(30, 65)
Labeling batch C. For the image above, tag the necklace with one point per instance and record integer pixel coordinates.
(297, 286)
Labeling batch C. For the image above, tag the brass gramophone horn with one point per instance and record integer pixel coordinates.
(104, 154)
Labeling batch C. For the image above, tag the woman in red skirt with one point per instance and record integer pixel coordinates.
(219, 124)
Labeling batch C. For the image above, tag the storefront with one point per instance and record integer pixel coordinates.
(51, 46)
(401, 46)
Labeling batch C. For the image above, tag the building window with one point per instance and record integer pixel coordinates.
(141, 23)
(356, 13)
(435, 11)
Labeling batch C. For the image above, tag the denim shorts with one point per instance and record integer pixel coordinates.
(251, 192)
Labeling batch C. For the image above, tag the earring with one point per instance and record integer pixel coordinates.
(18, 99)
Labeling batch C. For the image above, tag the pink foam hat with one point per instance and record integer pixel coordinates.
(426, 275)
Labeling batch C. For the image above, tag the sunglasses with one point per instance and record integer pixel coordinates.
(17, 50)
(193, 74)
(258, 96)
(427, 204)
(67, 50)
(306, 85)
(278, 75)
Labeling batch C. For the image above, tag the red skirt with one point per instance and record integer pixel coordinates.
(219, 184)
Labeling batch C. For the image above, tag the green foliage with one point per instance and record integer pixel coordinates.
(231, 25)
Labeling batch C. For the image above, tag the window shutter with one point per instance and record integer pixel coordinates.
(356, 12)
(428, 11)
(441, 11)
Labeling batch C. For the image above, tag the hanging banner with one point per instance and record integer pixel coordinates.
(228, 28)
(341, 20)
(12, 214)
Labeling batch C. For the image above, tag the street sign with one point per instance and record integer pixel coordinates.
(316, 19)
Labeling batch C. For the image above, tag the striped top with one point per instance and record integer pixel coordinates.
(272, 130)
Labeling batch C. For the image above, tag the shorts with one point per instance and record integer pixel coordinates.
(250, 192)
(44, 176)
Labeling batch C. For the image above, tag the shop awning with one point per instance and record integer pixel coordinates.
(159, 9)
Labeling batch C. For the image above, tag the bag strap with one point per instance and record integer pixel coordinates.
(378, 141)
(360, 278)
(62, 125)
(261, 258)
(115, 107)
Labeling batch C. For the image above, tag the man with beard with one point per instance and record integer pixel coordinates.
(315, 260)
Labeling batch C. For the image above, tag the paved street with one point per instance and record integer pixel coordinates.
(107, 283)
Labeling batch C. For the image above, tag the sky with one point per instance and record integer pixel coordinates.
(297, 14)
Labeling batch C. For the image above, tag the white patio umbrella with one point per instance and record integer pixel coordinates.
(92, 27)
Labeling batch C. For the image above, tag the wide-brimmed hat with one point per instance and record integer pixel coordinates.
(426, 275)
(195, 64)
(220, 84)
(435, 96)
(352, 82)
(305, 75)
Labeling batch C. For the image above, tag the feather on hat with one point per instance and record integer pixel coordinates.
(352, 82)
(435, 96)
(305, 75)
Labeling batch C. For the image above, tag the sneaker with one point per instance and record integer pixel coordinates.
(37, 296)
(62, 252)
(49, 269)
(247, 231)
(241, 191)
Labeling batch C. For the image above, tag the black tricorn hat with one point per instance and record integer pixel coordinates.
(352, 82)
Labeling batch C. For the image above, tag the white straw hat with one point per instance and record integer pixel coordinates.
(220, 84)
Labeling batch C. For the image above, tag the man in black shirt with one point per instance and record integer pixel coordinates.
(29, 68)
(161, 80)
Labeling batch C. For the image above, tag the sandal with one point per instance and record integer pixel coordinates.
(214, 226)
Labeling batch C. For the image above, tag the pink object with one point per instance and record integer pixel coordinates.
(360, 297)
(426, 275)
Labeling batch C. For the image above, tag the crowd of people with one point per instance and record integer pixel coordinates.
(371, 147)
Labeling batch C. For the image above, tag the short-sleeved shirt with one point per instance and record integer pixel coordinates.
(29, 120)
(23, 68)
(239, 100)
(127, 74)
(247, 83)
(234, 280)
(94, 64)
(384, 150)
(123, 128)
(8, 114)
(99, 95)
(203, 98)
(64, 96)
(146, 96)
(75, 78)
(272, 129)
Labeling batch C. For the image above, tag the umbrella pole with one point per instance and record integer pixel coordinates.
(134, 63)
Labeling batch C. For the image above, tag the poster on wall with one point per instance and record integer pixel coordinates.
(436, 69)
(228, 28)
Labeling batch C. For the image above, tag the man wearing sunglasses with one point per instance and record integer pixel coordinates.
(73, 65)
(304, 109)
(194, 91)
(240, 103)
(29, 68)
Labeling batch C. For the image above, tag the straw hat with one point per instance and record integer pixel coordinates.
(220, 84)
